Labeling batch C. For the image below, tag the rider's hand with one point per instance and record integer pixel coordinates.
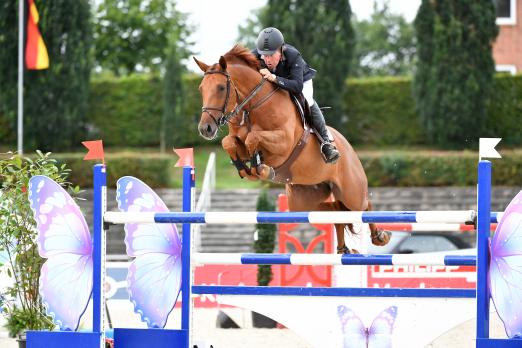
(267, 75)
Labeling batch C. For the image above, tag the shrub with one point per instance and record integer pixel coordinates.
(265, 241)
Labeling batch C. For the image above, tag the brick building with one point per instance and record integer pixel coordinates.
(507, 49)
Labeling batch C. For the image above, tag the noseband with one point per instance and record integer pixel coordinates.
(225, 116)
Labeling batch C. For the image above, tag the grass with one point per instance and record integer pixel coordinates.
(226, 174)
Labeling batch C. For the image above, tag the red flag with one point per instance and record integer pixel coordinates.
(95, 148)
(36, 57)
(186, 157)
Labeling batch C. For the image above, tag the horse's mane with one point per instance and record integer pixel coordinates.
(244, 55)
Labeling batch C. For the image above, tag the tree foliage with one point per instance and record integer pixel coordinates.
(321, 30)
(21, 300)
(455, 68)
(173, 97)
(55, 100)
(131, 35)
(384, 44)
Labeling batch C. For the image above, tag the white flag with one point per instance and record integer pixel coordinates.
(487, 148)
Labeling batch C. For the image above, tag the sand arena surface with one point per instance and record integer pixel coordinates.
(204, 322)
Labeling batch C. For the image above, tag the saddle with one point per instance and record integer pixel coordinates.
(306, 116)
(282, 174)
(304, 109)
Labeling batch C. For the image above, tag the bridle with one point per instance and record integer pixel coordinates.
(225, 116)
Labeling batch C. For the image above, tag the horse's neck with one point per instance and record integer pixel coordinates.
(244, 78)
(276, 112)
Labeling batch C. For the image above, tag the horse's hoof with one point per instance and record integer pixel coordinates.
(345, 250)
(381, 237)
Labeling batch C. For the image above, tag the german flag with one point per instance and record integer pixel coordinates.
(36, 57)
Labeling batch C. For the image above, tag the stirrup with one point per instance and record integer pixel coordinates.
(334, 158)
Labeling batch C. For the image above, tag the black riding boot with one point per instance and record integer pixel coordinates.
(330, 153)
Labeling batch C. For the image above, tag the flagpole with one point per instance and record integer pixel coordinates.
(21, 77)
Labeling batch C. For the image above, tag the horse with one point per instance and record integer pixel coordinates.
(266, 129)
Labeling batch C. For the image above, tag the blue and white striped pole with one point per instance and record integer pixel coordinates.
(313, 217)
(334, 259)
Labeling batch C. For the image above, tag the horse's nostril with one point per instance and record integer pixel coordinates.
(209, 129)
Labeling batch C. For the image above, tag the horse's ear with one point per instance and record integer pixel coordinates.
(223, 63)
(202, 66)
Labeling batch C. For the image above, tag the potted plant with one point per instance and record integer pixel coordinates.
(264, 242)
(20, 301)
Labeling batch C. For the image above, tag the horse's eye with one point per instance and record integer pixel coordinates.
(221, 88)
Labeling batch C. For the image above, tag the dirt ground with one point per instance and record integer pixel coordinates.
(206, 333)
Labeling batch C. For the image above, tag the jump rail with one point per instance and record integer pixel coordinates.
(334, 259)
(131, 338)
(313, 217)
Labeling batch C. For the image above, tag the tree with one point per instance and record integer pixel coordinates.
(265, 241)
(131, 35)
(55, 100)
(321, 30)
(173, 96)
(424, 29)
(384, 44)
(455, 68)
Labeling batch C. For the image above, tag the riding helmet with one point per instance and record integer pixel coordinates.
(269, 40)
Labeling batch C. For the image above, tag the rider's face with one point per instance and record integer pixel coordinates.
(272, 61)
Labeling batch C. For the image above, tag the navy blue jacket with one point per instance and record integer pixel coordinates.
(291, 71)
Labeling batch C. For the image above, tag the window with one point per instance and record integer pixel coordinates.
(425, 244)
(506, 12)
(510, 69)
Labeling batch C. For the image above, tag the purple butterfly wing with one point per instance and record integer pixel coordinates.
(505, 270)
(355, 334)
(381, 330)
(64, 239)
(154, 278)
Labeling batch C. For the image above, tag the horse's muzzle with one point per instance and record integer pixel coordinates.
(208, 130)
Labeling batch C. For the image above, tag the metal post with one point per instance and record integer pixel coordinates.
(98, 295)
(21, 17)
(483, 231)
(186, 273)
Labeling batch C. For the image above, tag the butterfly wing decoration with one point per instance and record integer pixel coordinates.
(355, 334)
(154, 278)
(505, 270)
(381, 330)
(64, 239)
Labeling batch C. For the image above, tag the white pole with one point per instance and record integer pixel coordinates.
(21, 77)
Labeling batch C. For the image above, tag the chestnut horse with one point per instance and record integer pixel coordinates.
(265, 127)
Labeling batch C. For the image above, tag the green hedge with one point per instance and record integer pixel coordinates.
(381, 111)
(390, 168)
(127, 112)
(505, 110)
(156, 170)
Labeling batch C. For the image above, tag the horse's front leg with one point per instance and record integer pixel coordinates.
(269, 140)
(238, 153)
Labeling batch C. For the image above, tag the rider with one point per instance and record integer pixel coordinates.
(282, 64)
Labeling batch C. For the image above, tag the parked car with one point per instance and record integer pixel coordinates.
(422, 242)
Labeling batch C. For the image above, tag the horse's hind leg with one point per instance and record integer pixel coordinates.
(379, 236)
(306, 198)
(339, 228)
